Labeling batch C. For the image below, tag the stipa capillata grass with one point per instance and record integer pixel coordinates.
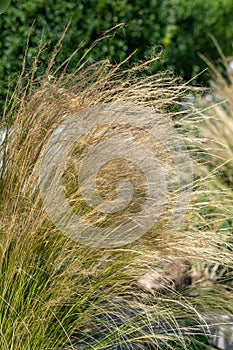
(56, 290)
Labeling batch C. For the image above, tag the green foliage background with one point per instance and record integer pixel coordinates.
(180, 27)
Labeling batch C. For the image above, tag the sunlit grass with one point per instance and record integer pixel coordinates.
(56, 292)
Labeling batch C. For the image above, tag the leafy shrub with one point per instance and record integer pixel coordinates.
(189, 25)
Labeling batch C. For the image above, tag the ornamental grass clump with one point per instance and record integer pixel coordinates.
(218, 116)
(71, 260)
(214, 141)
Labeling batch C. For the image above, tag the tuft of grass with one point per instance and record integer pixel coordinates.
(56, 292)
(218, 116)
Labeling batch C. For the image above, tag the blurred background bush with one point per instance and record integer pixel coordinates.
(182, 28)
